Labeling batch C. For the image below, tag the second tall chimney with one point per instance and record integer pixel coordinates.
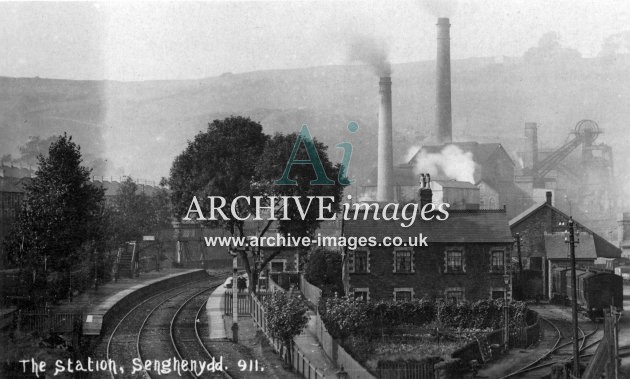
(384, 188)
(443, 86)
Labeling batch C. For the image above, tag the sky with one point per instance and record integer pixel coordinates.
(187, 40)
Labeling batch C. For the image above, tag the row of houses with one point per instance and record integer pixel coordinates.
(466, 257)
(469, 255)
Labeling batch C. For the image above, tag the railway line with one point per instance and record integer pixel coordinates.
(560, 352)
(171, 326)
(162, 329)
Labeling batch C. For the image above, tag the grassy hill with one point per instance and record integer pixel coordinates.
(139, 127)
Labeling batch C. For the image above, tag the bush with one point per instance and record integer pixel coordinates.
(286, 315)
(324, 271)
(344, 316)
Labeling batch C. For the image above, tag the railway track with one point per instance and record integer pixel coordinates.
(156, 330)
(559, 352)
(185, 337)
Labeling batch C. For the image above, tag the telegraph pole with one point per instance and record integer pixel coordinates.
(517, 237)
(234, 254)
(574, 312)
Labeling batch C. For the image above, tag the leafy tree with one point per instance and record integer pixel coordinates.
(60, 217)
(270, 167)
(286, 317)
(133, 213)
(235, 158)
(324, 271)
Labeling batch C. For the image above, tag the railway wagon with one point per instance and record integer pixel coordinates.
(596, 291)
(559, 285)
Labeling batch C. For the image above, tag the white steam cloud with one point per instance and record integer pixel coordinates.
(451, 162)
(367, 49)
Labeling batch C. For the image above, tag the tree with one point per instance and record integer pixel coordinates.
(60, 221)
(235, 158)
(286, 317)
(550, 50)
(324, 271)
(271, 165)
(132, 213)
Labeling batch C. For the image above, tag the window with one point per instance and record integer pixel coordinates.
(403, 294)
(362, 293)
(277, 266)
(402, 261)
(497, 263)
(360, 261)
(454, 294)
(455, 260)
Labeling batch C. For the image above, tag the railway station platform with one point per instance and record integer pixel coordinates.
(92, 297)
(215, 311)
(97, 304)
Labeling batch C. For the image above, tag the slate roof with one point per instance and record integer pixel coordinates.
(557, 249)
(523, 215)
(462, 226)
(603, 248)
(455, 184)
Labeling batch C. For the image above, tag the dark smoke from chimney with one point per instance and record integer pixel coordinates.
(369, 50)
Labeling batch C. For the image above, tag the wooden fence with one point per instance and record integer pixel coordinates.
(422, 369)
(310, 292)
(604, 361)
(45, 321)
(244, 303)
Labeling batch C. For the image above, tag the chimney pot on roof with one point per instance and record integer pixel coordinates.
(425, 193)
(549, 194)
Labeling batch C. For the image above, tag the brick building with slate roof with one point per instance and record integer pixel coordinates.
(542, 245)
(464, 258)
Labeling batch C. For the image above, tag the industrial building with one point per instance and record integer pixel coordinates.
(541, 238)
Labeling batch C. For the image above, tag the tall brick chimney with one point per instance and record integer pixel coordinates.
(623, 233)
(385, 160)
(531, 150)
(443, 116)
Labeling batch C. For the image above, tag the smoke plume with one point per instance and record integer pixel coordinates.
(451, 162)
(367, 49)
(438, 8)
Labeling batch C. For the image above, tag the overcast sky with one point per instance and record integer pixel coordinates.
(151, 40)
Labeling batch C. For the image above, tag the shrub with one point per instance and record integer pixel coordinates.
(286, 317)
(344, 316)
(324, 271)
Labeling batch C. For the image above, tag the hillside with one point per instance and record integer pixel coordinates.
(140, 126)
